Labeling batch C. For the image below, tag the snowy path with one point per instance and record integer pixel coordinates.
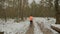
(37, 29)
(46, 29)
(22, 28)
(40, 26)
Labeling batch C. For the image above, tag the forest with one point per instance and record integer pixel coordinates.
(22, 8)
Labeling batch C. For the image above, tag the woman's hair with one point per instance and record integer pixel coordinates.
(30, 15)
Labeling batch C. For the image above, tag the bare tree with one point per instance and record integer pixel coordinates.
(57, 12)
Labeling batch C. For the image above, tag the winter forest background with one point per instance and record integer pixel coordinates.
(25, 8)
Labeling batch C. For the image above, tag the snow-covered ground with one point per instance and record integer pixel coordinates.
(45, 19)
(56, 25)
(14, 27)
(11, 27)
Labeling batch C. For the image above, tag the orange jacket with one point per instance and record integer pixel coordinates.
(31, 18)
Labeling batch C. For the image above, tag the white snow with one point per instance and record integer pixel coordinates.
(37, 29)
(11, 27)
(45, 19)
(56, 25)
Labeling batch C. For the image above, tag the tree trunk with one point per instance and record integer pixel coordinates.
(57, 12)
(21, 7)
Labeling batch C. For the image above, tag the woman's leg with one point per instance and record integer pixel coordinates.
(31, 22)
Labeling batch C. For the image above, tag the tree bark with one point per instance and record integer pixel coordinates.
(57, 12)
